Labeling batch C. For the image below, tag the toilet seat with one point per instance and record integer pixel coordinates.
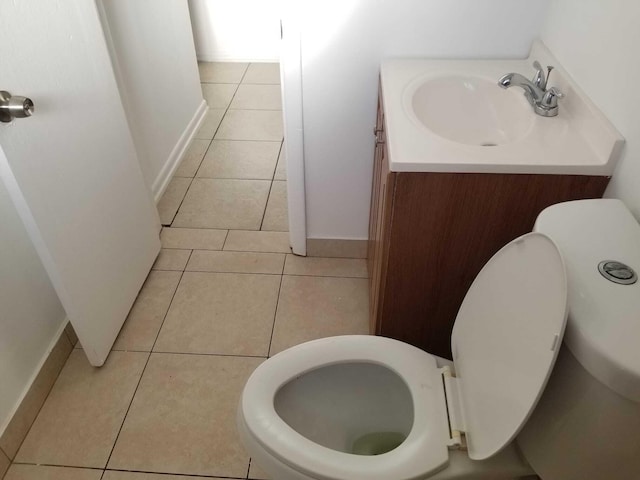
(505, 341)
(423, 452)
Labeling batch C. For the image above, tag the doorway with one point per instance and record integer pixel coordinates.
(234, 175)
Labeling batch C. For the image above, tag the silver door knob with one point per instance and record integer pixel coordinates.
(14, 107)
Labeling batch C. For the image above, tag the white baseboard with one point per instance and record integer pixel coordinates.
(337, 247)
(177, 153)
(57, 353)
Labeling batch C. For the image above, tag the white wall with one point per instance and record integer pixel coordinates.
(597, 43)
(31, 315)
(154, 58)
(343, 42)
(236, 30)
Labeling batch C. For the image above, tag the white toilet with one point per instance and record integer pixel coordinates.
(372, 408)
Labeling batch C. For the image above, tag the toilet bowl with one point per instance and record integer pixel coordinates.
(291, 449)
(328, 393)
(372, 408)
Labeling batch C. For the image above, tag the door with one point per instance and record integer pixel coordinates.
(71, 168)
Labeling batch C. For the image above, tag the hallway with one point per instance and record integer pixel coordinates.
(233, 175)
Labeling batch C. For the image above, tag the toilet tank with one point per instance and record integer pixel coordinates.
(587, 423)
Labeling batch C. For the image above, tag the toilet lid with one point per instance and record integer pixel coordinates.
(506, 338)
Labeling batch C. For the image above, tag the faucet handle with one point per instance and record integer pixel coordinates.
(550, 98)
(539, 79)
(548, 104)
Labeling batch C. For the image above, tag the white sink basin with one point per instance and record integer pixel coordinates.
(442, 115)
(470, 110)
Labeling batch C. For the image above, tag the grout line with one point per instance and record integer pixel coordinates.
(241, 251)
(244, 74)
(186, 191)
(203, 82)
(234, 273)
(239, 179)
(56, 465)
(257, 110)
(189, 475)
(124, 418)
(234, 83)
(250, 230)
(323, 276)
(266, 205)
(2, 452)
(184, 269)
(253, 251)
(275, 316)
(204, 354)
(104, 470)
(233, 179)
(216, 131)
(273, 177)
(225, 241)
(195, 174)
(334, 258)
(181, 249)
(197, 228)
(205, 154)
(239, 140)
(248, 469)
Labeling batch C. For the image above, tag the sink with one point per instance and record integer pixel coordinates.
(450, 116)
(470, 110)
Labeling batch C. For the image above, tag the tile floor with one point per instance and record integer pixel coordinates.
(223, 295)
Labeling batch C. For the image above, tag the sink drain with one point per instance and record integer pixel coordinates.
(488, 144)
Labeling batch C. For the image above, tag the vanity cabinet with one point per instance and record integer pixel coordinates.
(431, 233)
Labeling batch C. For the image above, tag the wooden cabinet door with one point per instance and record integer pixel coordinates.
(373, 242)
(379, 222)
(384, 209)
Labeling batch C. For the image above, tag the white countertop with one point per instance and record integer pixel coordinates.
(580, 140)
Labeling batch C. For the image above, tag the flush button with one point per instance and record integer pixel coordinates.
(617, 272)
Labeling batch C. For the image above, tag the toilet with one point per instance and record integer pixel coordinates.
(372, 408)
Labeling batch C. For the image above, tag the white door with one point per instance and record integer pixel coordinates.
(71, 168)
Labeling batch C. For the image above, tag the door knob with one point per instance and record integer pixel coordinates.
(14, 107)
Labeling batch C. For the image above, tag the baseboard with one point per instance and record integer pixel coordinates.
(35, 393)
(71, 333)
(336, 247)
(227, 57)
(175, 157)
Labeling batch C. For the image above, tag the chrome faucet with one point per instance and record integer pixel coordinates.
(543, 101)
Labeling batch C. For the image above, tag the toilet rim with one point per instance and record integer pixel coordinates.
(422, 453)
